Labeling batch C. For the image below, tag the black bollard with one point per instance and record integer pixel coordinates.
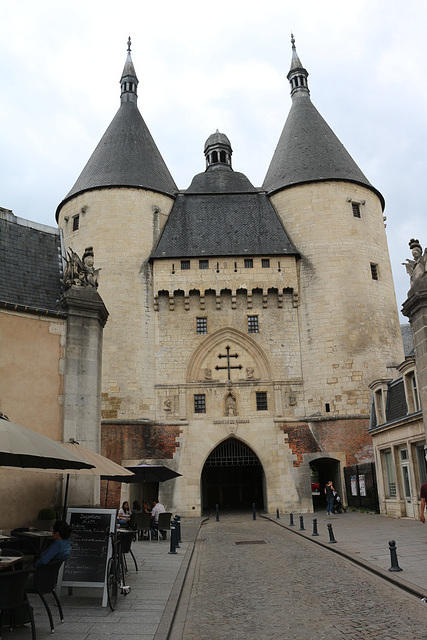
(301, 523)
(331, 534)
(314, 527)
(176, 532)
(393, 557)
(277, 514)
(217, 513)
(173, 542)
(253, 511)
(178, 528)
(291, 520)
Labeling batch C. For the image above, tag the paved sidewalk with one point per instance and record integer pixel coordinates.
(364, 538)
(148, 611)
(145, 614)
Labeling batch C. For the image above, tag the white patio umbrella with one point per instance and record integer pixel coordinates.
(21, 448)
(100, 465)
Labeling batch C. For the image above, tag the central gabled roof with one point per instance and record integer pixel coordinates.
(222, 214)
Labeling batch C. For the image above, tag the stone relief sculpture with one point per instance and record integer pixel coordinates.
(81, 272)
(416, 268)
(208, 374)
(230, 405)
(167, 405)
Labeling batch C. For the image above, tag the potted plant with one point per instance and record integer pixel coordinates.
(46, 518)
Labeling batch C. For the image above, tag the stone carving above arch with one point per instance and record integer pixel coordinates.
(231, 356)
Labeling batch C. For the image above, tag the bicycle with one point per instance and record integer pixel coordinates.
(116, 572)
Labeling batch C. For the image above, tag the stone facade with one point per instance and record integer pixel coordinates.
(245, 324)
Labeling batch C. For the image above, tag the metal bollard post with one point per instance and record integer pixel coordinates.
(178, 528)
(172, 544)
(217, 513)
(331, 534)
(393, 557)
(176, 532)
(253, 511)
(277, 514)
(291, 520)
(315, 533)
(301, 523)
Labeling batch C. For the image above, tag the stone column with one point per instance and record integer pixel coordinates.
(415, 308)
(86, 319)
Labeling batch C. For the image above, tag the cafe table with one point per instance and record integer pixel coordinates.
(8, 562)
(38, 539)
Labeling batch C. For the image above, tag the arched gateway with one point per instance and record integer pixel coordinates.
(232, 477)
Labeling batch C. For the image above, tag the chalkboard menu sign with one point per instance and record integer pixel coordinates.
(90, 547)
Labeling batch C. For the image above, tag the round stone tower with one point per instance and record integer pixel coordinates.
(348, 316)
(119, 205)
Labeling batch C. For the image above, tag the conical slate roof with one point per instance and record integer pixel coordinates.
(126, 155)
(222, 214)
(308, 150)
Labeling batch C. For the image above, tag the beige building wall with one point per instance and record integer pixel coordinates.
(31, 387)
(122, 225)
(350, 330)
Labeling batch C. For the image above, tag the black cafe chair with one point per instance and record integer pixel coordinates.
(13, 596)
(45, 579)
(164, 523)
(126, 538)
(143, 523)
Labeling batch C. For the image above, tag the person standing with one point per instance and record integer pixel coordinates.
(423, 495)
(329, 491)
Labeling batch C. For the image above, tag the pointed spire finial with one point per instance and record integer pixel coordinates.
(293, 42)
(129, 43)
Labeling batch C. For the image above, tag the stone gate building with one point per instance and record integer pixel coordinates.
(245, 323)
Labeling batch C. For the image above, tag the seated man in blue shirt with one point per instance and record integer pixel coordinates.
(60, 547)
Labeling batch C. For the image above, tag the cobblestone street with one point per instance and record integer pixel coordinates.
(251, 579)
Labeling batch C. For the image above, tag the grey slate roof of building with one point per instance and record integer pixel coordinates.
(222, 214)
(31, 266)
(309, 151)
(126, 156)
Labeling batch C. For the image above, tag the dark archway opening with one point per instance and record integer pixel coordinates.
(232, 477)
(322, 470)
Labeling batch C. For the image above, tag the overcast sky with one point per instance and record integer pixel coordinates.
(203, 66)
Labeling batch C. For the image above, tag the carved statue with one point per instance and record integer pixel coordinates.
(230, 405)
(250, 372)
(208, 374)
(80, 273)
(416, 268)
(167, 404)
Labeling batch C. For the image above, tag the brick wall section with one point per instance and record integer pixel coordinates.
(349, 435)
(135, 441)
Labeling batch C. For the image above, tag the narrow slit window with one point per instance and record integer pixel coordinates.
(374, 271)
(76, 223)
(355, 206)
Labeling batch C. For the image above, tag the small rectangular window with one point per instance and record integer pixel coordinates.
(203, 264)
(265, 263)
(76, 223)
(199, 403)
(201, 325)
(249, 263)
(185, 264)
(374, 271)
(261, 401)
(356, 209)
(390, 477)
(253, 324)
